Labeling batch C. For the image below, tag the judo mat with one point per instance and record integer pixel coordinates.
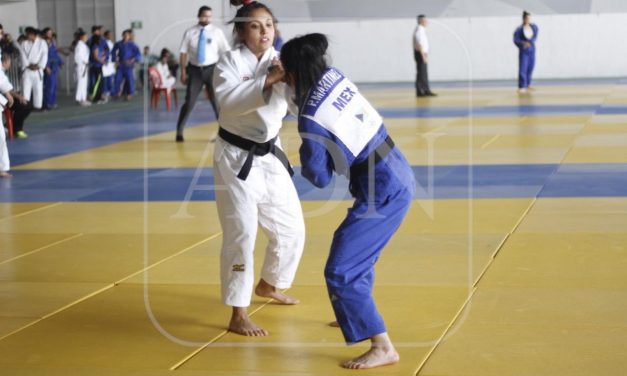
(511, 260)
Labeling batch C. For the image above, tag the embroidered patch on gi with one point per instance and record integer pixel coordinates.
(239, 268)
(246, 78)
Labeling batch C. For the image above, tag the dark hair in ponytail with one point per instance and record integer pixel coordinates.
(244, 12)
(304, 58)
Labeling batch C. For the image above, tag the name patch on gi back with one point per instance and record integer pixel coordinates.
(345, 97)
(321, 91)
(337, 106)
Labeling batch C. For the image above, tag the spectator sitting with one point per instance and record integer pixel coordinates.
(167, 80)
(21, 108)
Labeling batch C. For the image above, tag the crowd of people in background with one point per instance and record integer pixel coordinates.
(104, 69)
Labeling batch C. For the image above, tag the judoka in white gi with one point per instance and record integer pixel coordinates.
(343, 133)
(34, 55)
(252, 174)
(5, 101)
(81, 63)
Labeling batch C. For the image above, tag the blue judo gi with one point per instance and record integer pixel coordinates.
(526, 56)
(126, 54)
(340, 132)
(50, 80)
(96, 80)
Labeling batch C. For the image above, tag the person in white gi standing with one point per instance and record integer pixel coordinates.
(34, 55)
(81, 60)
(202, 46)
(252, 174)
(6, 100)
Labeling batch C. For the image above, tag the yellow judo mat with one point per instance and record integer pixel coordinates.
(511, 261)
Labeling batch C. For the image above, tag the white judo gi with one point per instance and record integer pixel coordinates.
(267, 197)
(167, 80)
(81, 60)
(5, 87)
(34, 52)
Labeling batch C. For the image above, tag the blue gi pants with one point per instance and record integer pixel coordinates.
(108, 86)
(125, 74)
(358, 242)
(526, 63)
(50, 89)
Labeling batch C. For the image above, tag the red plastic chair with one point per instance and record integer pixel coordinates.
(155, 81)
(8, 114)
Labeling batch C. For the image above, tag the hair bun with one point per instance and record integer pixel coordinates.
(316, 43)
(238, 3)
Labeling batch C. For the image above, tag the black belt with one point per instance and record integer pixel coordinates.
(255, 148)
(202, 66)
(379, 153)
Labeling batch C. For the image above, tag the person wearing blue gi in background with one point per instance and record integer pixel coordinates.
(108, 70)
(99, 55)
(342, 132)
(125, 54)
(52, 70)
(525, 39)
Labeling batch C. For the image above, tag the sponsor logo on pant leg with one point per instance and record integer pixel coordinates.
(239, 268)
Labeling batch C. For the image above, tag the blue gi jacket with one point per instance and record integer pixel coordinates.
(123, 52)
(340, 128)
(520, 38)
(54, 59)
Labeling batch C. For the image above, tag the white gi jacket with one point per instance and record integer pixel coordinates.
(244, 109)
(34, 53)
(81, 58)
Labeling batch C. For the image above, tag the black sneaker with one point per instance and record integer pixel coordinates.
(179, 138)
(430, 94)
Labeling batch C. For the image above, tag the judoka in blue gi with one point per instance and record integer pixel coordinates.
(342, 132)
(125, 54)
(525, 39)
(52, 70)
(99, 55)
(108, 69)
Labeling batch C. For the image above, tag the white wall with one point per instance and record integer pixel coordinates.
(569, 46)
(14, 15)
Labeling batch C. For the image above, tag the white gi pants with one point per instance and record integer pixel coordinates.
(5, 164)
(81, 83)
(266, 198)
(33, 83)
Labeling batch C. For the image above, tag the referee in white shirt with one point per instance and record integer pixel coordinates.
(421, 55)
(200, 51)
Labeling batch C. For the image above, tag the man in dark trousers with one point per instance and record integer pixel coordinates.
(421, 55)
(200, 51)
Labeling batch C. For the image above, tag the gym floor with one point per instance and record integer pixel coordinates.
(512, 260)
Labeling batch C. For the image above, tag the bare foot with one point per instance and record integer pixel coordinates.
(241, 324)
(4, 174)
(334, 324)
(382, 353)
(266, 290)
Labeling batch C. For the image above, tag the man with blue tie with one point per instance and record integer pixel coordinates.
(200, 51)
